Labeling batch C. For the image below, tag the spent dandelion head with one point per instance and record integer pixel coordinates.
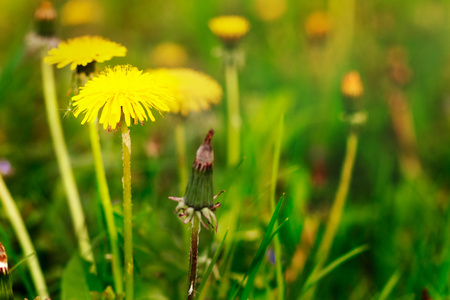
(83, 50)
(45, 17)
(122, 93)
(193, 91)
(230, 29)
(198, 200)
(169, 55)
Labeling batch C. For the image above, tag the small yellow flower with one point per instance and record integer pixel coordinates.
(80, 12)
(229, 29)
(351, 85)
(317, 25)
(122, 91)
(193, 91)
(270, 10)
(83, 50)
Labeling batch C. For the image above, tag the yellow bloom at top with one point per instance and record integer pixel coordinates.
(83, 50)
(351, 85)
(193, 91)
(169, 55)
(122, 91)
(229, 28)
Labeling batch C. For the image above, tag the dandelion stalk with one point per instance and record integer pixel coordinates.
(127, 213)
(107, 207)
(234, 116)
(352, 91)
(63, 159)
(24, 239)
(193, 255)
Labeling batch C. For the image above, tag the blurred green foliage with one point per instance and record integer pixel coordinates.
(402, 217)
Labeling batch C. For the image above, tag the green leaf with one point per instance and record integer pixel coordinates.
(211, 264)
(392, 282)
(74, 282)
(256, 262)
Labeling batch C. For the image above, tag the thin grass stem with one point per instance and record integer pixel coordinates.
(24, 239)
(63, 159)
(338, 206)
(127, 213)
(273, 185)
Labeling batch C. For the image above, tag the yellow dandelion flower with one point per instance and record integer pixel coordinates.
(229, 29)
(317, 25)
(83, 50)
(122, 91)
(80, 12)
(351, 85)
(193, 91)
(169, 55)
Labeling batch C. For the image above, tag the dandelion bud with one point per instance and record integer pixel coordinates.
(198, 200)
(6, 292)
(199, 193)
(45, 17)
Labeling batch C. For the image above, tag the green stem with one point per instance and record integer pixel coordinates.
(234, 117)
(338, 206)
(192, 276)
(63, 159)
(127, 213)
(107, 207)
(180, 137)
(273, 185)
(24, 239)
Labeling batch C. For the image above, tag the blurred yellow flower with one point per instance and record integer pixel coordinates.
(168, 54)
(122, 91)
(351, 85)
(229, 29)
(317, 25)
(80, 12)
(83, 50)
(270, 10)
(193, 91)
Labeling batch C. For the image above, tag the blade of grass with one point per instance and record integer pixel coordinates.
(273, 186)
(211, 264)
(261, 250)
(392, 282)
(316, 276)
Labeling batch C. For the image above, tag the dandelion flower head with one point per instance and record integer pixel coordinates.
(122, 91)
(193, 91)
(229, 28)
(317, 25)
(83, 50)
(351, 85)
(270, 10)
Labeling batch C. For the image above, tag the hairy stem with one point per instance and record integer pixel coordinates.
(127, 213)
(192, 280)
